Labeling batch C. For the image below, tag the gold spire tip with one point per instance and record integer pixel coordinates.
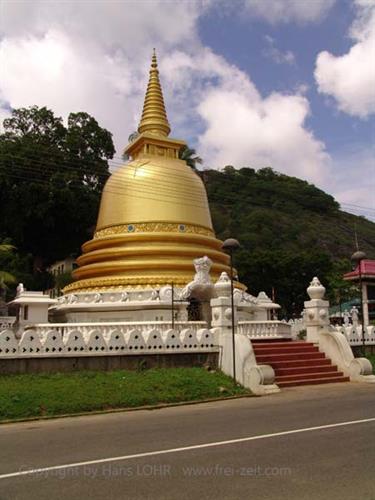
(154, 117)
(154, 62)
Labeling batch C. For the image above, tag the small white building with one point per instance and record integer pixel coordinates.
(62, 266)
(59, 267)
(31, 307)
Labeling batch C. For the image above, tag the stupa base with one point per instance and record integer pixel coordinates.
(121, 306)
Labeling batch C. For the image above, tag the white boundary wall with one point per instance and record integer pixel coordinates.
(354, 334)
(60, 340)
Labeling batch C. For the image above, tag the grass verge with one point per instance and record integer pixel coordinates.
(34, 395)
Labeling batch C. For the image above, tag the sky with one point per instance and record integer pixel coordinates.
(288, 84)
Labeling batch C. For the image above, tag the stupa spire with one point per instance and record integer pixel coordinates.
(154, 117)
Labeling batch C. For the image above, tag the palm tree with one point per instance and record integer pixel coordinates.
(5, 277)
(132, 137)
(190, 156)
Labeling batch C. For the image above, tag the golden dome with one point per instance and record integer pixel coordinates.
(154, 217)
(154, 189)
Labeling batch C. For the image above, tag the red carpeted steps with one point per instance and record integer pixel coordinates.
(296, 363)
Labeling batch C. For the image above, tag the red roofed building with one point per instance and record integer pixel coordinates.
(365, 272)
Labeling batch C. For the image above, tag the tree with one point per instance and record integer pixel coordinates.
(190, 156)
(289, 230)
(51, 177)
(287, 273)
(133, 136)
(6, 278)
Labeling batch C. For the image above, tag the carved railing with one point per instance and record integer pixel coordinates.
(354, 334)
(84, 339)
(264, 329)
(6, 322)
(124, 327)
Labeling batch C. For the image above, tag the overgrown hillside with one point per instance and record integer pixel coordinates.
(289, 230)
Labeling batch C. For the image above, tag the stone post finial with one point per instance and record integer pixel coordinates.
(316, 290)
(222, 286)
(221, 306)
(317, 311)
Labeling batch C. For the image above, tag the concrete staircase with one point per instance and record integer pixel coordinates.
(296, 363)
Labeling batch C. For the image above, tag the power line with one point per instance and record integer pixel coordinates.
(357, 206)
(122, 191)
(115, 160)
(40, 167)
(118, 161)
(119, 187)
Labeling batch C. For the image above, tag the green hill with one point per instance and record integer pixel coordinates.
(289, 230)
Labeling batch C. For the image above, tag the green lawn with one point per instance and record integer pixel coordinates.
(23, 396)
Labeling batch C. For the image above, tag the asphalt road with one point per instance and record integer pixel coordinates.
(286, 446)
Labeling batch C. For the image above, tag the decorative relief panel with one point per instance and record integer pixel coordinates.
(153, 227)
(8, 343)
(102, 284)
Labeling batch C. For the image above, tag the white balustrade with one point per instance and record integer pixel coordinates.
(189, 339)
(154, 340)
(53, 343)
(171, 340)
(30, 343)
(6, 322)
(264, 329)
(354, 334)
(8, 344)
(98, 339)
(75, 342)
(135, 341)
(96, 342)
(107, 327)
(115, 341)
(205, 339)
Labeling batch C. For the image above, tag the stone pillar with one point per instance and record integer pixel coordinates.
(365, 315)
(258, 378)
(222, 327)
(221, 306)
(317, 311)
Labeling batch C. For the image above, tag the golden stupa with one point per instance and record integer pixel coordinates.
(154, 217)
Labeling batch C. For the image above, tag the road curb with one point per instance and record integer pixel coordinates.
(123, 410)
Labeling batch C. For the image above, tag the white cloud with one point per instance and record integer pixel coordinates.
(352, 181)
(277, 55)
(350, 78)
(131, 24)
(285, 11)
(244, 131)
(301, 88)
(52, 70)
(240, 127)
(70, 57)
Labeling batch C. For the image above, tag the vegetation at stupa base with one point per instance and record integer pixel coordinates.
(52, 175)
